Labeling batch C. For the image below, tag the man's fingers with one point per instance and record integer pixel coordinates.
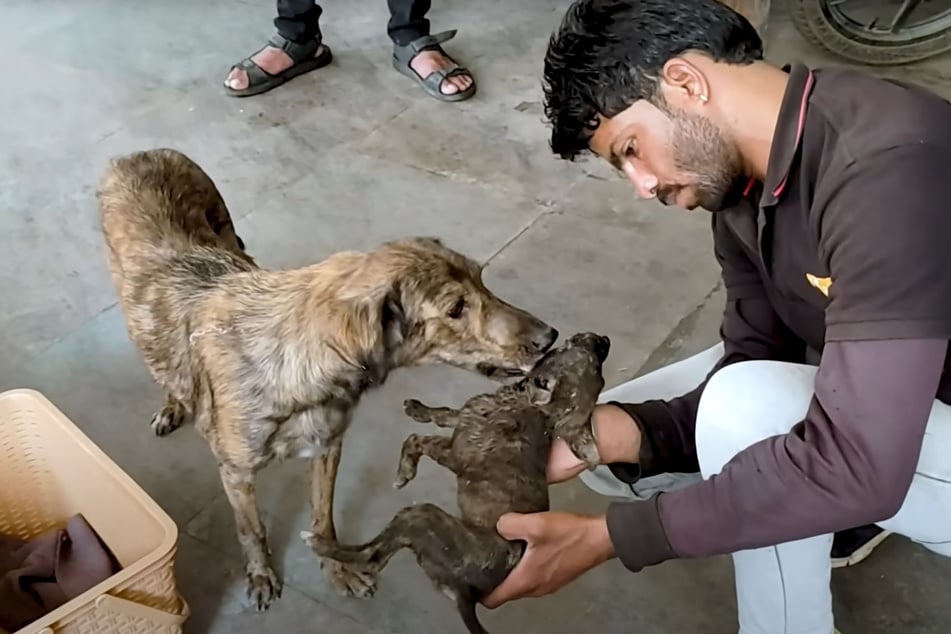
(563, 464)
(514, 585)
(513, 526)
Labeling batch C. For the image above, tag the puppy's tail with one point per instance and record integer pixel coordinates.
(161, 198)
(362, 554)
(467, 610)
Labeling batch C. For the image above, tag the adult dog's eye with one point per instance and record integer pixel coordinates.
(456, 311)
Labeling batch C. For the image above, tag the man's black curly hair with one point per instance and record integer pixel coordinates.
(608, 54)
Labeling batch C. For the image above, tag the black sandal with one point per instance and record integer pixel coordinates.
(432, 83)
(305, 57)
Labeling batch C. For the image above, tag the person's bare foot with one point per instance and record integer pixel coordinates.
(426, 62)
(273, 60)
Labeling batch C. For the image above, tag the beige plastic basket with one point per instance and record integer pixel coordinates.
(49, 471)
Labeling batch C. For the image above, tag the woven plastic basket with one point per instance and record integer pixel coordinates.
(50, 471)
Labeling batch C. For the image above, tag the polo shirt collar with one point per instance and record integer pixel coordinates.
(789, 130)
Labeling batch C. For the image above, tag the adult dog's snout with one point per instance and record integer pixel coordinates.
(544, 339)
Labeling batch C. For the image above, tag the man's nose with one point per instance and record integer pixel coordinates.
(645, 184)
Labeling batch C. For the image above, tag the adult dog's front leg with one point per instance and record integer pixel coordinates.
(440, 416)
(263, 584)
(439, 448)
(348, 581)
(169, 418)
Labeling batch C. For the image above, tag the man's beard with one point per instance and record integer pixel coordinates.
(709, 163)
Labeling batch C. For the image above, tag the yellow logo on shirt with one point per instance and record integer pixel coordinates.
(822, 283)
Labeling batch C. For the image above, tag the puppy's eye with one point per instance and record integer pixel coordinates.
(457, 309)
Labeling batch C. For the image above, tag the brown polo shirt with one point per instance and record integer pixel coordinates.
(842, 251)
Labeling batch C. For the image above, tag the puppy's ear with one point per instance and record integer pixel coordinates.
(540, 389)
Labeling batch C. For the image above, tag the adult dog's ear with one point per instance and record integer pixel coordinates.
(429, 241)
(393, 321)
(540, 389)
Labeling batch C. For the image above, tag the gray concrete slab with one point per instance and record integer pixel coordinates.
(344, 158)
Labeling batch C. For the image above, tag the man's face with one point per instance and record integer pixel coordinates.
(679, 157)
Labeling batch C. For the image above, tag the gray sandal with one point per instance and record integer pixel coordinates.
(432, 83)
(305, 59)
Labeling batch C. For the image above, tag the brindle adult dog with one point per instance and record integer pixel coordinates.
(270, 364)
(498, 451)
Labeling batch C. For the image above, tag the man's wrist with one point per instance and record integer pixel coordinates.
(617, 435)
(599, 538)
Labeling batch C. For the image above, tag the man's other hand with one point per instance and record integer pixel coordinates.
(618, 440)
(561, 548)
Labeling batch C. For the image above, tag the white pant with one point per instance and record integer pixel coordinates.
(782, 589)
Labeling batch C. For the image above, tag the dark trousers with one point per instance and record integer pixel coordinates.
(297, 20)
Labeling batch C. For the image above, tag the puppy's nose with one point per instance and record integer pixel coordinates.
(544, 339)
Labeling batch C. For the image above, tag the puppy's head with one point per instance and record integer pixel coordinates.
(446, 314)
(572, 372)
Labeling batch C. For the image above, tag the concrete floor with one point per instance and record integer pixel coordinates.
(345, 158)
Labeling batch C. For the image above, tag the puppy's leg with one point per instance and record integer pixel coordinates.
(348, 582)
(439, 448)
(456, 557)
(440, 416)
(575, 429)
(169, 418)
(263, 584)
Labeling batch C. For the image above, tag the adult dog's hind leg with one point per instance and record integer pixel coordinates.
(440, 416)
(263, 584)
(347, 581)
(439, 448)
(169, 418)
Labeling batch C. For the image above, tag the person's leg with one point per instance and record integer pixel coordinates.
(785, 589)
(419, 54)
(296, 49)
(408, 20)
(298, 20)
(666, 382)
(925, 515)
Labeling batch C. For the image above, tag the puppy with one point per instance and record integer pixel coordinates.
(499, 452)
(271, 364)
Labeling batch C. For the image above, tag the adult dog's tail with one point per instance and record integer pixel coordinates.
(157, 203)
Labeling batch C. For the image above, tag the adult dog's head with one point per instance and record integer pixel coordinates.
(433, 307)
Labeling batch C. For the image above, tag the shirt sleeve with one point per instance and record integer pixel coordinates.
(750, 329)
(851, 460)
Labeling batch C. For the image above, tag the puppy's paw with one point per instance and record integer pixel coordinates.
(586, 449)
(349, 581)
(417, 411)
(263, 589)
(167, 420)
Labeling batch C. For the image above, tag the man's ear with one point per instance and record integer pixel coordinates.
(684, 85)
(540, 389)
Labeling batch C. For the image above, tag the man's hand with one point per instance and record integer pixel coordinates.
(561, 548)
(618, 439)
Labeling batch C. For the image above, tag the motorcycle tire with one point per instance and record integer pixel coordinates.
(817, 24)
